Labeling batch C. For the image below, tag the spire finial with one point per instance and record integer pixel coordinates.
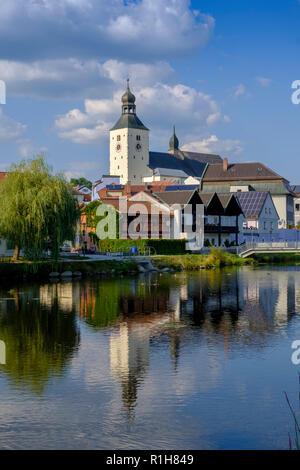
(127, 80)
(174, 143)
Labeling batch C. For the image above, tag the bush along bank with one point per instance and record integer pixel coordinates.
(217, 258)
(161, 246)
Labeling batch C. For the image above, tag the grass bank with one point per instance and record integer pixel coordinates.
(41, 270)
(217, 258)
(27, 270)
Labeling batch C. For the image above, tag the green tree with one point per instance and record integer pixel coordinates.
(36, 208)
(81, 182)
(92, 219)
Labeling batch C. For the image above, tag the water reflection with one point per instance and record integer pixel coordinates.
(141, 319)
(38, 327)
(2, 353)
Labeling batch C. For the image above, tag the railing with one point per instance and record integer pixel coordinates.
(144, 251)
(268, 246)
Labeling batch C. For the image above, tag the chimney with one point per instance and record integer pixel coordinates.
(128, 188)
(225, 164)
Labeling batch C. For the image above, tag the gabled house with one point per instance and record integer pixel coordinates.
(248, 177)
(260, 217)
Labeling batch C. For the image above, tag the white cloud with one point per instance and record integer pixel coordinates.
(101, 28)
(10, 129)
(214, 145)
(263, 81)
(159, 106)
(239, 90)
(74, 78)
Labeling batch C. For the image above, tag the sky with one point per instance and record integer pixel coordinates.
(220, 71)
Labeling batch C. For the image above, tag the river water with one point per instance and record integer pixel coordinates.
(181, 361)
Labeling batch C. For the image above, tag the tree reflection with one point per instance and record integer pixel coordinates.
(40, 341)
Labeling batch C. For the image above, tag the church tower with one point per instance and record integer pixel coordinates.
(129, 144)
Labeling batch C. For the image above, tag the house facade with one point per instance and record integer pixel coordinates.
(252, 176)
(259, 221)
(296, 191)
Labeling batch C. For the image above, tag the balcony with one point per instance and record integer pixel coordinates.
(212, 228)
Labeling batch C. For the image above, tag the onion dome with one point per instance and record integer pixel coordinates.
(128, 97)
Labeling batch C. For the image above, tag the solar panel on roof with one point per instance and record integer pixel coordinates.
(182, 187)
(114, 186)
(251, 202)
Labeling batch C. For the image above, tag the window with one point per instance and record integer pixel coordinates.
(118, 137)
(297, 207)
(138, 137)
(265, 225)
(118, 167)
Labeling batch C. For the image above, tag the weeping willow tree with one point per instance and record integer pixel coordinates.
(36, 209)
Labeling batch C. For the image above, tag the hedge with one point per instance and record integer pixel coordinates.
(161, 246)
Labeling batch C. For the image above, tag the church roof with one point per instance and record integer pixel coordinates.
(130, 121)
(170, 161)
(202, 157)
(168, 172)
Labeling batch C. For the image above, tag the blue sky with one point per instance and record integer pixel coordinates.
(221, 71)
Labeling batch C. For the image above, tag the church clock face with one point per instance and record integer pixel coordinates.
(118, 147)
(138, 147)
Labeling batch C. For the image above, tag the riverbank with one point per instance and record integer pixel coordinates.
(23, 270)
(216, 259)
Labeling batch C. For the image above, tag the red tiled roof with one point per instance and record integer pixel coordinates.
(2, 175)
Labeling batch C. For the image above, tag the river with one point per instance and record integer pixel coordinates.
(161, 361)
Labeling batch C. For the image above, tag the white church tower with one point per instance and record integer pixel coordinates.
(129, 144)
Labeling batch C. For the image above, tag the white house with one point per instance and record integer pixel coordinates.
(297, 205)
(260, 219)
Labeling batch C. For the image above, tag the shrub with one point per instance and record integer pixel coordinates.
(164, 247)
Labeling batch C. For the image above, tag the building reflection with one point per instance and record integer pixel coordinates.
(240, 309)
(231, 309)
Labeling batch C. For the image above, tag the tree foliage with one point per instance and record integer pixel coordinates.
(36, 208)
(81, 182)
(92, 219)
